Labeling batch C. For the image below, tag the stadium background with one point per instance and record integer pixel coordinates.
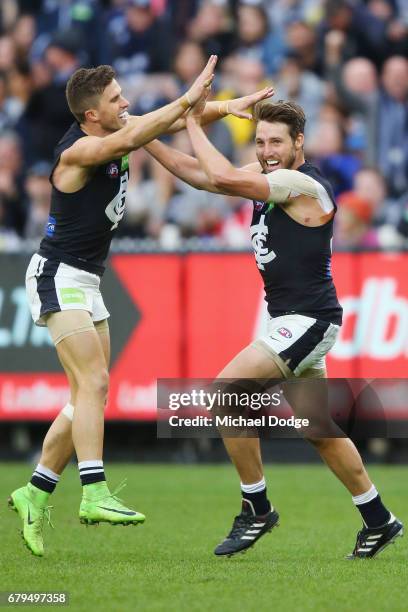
(182, 287)
(185, 294)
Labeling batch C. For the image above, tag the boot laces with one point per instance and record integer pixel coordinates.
(240, 522)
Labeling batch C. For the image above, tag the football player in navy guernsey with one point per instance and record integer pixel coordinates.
(291, 234)
(89, 180)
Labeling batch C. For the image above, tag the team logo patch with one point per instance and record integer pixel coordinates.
(50, 227)
(112, 170)
(286, 333)
(258, 205)
(124, 164)
(259, 234)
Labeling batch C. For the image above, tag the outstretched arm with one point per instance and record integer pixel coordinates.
(217, 110)
(279, 186)
(220, 172)
(185, 167)
(93, 150)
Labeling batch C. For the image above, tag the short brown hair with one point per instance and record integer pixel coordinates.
(84, 86)
(282, 111)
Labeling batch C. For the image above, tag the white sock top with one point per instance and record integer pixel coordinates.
(364, 498)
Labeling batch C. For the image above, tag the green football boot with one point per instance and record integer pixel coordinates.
(30, 504)
(99, 505)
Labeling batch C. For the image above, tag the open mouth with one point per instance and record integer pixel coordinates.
(124, 115)
(272, 164)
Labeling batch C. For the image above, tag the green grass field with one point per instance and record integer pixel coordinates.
(168, 563)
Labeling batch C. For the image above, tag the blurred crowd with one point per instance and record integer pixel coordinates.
(344, 61)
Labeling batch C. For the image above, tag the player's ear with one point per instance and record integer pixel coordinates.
(299, 141)
(91, 115)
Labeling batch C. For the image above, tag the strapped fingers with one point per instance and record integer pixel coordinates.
(209, 81)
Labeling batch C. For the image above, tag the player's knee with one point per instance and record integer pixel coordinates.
(101, 384)
(320, 444)
(97, 383)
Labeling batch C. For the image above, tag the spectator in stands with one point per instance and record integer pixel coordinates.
(363, 32)
(23, 35)
(137, 42)
(384, 109)
(344, 61)
(81, 16)
(11, 194)
(234, 229)
(189, 60)
(148, 182)
(284, 12)
(392, 121)
(194, 212)
(353, 224)
(356, 227)
(369, 183)
(302, 42)
(256, 39)
(383, 19)
(356, 84)
(19, 90)
(38, 190)
(241, 76)
(327, 150)
(47, 114)
(303, 87)
(181, 13)
(9, 239)
(7, 53)
(4, 114)
(212, 28)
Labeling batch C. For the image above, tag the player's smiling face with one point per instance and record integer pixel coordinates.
(275, 148)
(112, 108)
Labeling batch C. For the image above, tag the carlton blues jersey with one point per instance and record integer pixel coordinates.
(82, 224)
(295, 260)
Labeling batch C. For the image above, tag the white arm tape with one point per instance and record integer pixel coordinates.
(68, 411)
(285, 184)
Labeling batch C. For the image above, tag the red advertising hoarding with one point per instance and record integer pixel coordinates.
(373, 290)
(187, 316)
(143, 294)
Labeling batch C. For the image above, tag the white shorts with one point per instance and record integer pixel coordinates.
(53, 286)
(300, 342)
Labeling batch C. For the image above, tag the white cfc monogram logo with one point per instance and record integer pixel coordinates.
(258, 234)
(116, 208)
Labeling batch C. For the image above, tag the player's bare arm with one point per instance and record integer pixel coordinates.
(182, 165)
(216, 110)
(298, 193)
(221, 173)
(128, 134)
(186, 167)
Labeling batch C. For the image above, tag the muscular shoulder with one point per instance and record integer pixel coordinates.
(287, 185)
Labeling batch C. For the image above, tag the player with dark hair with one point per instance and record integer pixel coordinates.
(89, 180)
(291, 233)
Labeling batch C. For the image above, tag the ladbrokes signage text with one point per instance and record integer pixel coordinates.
(186, 316)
